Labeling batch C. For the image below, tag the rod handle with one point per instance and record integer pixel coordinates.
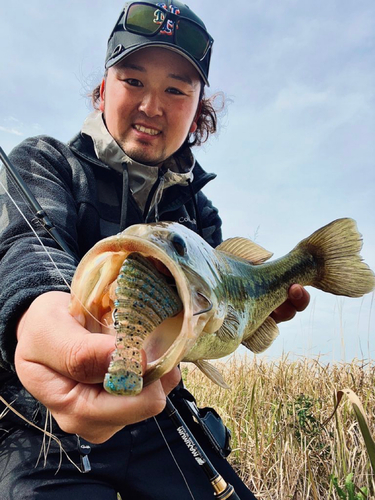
(228, 494)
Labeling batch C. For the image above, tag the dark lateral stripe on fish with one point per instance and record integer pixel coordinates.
(301, 272)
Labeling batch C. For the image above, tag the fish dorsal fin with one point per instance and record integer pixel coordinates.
(262, 338)
(246, 249)
(212, 373)
(229, 328)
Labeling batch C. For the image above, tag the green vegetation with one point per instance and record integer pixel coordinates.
(348, 493)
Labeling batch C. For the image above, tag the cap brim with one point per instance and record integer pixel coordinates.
(130, 50)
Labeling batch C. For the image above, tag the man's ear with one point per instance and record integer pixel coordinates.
(194, 125)
(102, 92)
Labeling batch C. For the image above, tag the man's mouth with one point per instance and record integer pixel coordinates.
(147, 130)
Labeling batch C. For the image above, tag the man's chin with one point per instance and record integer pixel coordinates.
(144, 157)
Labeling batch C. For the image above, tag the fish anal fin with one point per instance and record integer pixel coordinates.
(245, 249)
(212, 373)
(262, 338)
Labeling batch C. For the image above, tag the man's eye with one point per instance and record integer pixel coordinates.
(172, 90)
(133, 82)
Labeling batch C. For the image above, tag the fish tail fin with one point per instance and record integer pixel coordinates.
(341, 270)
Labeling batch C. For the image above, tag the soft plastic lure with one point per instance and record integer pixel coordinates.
(144, 299)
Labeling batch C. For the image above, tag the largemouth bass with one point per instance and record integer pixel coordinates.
(162, 289)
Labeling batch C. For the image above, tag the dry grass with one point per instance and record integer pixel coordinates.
(276, 411)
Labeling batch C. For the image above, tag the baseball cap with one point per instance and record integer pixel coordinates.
(171, 24)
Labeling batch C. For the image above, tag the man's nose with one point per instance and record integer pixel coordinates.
(151, 105)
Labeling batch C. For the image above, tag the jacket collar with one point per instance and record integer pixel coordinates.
(176, 170)
(82, 146)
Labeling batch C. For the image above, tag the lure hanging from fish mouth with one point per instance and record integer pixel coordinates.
(143, 300)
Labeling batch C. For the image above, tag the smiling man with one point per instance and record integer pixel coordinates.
(150, 103)
(130, 163)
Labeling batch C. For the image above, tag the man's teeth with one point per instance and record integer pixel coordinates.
(150, 131)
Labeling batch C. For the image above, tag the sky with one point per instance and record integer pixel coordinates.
(295, 148)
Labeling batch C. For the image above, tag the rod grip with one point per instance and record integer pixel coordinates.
(227, 494)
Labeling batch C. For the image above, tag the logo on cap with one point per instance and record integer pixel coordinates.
(159, 18)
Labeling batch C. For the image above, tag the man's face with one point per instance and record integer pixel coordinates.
(150, 102)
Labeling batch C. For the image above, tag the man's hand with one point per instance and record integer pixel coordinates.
(63, 365)
(298, 300)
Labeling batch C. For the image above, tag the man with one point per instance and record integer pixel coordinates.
(131, 163)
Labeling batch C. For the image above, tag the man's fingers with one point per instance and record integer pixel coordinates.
(63, 344)
(96, 415)
(171, 380)
(87, 359)
(298, 300)
(285, 312)
(299, 297)
(84, 360)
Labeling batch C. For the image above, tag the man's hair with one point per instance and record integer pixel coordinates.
(207, 121)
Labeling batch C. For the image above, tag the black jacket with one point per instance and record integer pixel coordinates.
(84, 199)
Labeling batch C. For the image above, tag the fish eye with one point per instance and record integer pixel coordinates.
(179, 244)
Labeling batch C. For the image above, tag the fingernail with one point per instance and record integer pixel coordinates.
(296, 293)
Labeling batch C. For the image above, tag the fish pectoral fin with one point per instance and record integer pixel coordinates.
(245, 249)
(229, 328)
(262, 338)
(212, 373)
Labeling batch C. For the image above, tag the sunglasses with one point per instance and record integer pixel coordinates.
(149, 19)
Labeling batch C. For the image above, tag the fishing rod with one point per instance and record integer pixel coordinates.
(222, 489)
(38, 211)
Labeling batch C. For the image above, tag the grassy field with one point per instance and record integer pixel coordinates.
(282, 447)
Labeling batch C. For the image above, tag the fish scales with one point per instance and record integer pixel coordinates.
(143, 301)
(226, 294)
(254, 292)
(270, 281)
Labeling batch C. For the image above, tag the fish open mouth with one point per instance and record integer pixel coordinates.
(149, 282)
(162, 269)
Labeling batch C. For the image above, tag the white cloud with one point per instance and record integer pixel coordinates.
(11, 131)
(300, 96)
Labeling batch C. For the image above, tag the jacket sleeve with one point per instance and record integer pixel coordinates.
(210, 220)
(31, 265)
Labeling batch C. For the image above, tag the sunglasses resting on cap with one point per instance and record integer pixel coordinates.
(172, 26)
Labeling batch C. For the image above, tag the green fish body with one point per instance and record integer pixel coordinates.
(223, 297)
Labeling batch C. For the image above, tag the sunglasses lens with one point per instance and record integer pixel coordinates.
(191, 38)
(146, 19)
(143, 19)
